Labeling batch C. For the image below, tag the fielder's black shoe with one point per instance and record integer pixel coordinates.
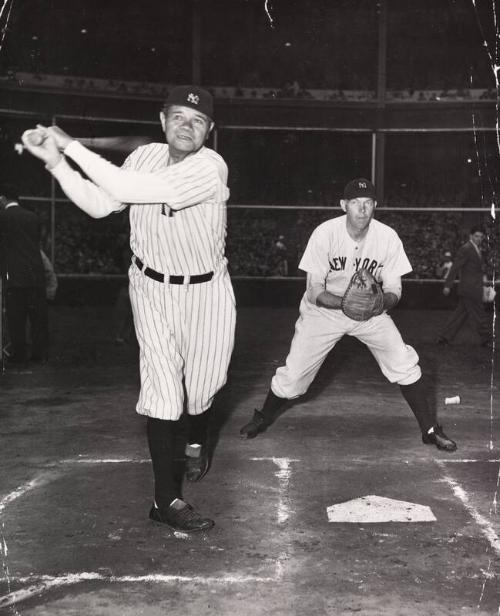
(439, 438)
(181, 516)
(255, 426)
(197, 466)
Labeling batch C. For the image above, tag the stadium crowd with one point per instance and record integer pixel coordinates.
(258, 240)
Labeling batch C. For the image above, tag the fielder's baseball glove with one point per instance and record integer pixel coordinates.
(363, 298)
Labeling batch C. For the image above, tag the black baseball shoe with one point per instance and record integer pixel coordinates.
(255, 426)
(181, 516)
(197, 466)
(439, 438)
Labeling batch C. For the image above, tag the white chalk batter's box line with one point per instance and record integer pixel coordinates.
(469, 460)
(40, 584)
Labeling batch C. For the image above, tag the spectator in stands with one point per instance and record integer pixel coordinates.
(469, 265)
(23, 271)
(443, 268)
(280, 257)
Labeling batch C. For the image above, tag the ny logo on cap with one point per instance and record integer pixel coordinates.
(193, 98)
(362, 185)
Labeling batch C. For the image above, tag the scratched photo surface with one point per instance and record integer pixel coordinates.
(338, 506)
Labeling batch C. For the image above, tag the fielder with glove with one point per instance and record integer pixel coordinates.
(363, 298)
(354, 266)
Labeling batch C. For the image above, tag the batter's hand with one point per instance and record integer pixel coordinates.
(42, 145)
(61, 138)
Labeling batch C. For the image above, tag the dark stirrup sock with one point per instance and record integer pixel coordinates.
(198, 428)
(272, 405)
(160, 434)
(416, 396)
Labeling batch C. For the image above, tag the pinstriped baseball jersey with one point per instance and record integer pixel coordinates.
(183, 241)
(180, 225)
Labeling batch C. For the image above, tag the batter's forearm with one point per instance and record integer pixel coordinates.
(181, 185)
(87, 196)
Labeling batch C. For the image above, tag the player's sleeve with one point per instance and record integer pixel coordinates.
(315, 257)
(194, 180)
(396, 264)
(83, 193)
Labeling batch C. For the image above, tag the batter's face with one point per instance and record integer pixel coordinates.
(477, 238)
(185, 129)
(359, 213)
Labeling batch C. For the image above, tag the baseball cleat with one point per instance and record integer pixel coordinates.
(181, 516)
(255, 426)
(197, 466)
(439, 438)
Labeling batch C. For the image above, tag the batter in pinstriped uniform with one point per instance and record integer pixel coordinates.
(180, 290)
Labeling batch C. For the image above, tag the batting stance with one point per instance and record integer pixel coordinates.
(347, 260)
(180, 290)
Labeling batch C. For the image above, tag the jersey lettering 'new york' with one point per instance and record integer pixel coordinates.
(183, 241)
(331, 254)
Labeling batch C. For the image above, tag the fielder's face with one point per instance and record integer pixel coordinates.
(359, 212)
(185, 129)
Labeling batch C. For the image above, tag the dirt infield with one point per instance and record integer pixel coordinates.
(76, 485)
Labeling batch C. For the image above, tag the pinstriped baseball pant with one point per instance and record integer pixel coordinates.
(186, 337)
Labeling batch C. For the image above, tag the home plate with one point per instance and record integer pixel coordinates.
(379, 509)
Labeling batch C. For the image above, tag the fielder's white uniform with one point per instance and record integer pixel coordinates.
(178, 228)
(330, 259)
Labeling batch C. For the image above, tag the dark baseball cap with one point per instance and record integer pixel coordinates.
(361, 187)
(193, 97)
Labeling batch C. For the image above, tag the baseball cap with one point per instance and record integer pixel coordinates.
(192, 96)
(360, 187)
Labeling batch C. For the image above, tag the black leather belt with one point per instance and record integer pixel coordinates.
(173, 279)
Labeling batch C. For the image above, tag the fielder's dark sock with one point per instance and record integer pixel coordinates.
(272, 404)
(161, 447)
(416, 396)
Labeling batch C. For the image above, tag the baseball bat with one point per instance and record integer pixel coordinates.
(117, 144)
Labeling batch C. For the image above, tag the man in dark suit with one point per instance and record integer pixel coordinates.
(24, 277)
(469, 265)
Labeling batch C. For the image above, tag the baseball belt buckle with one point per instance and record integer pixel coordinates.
(179, 279)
